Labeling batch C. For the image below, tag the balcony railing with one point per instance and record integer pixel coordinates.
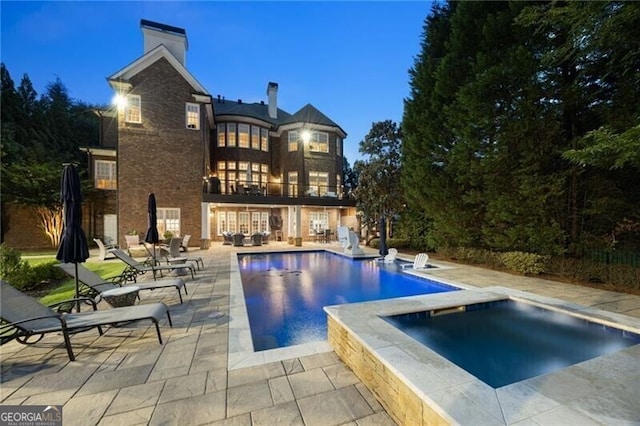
(213, 186)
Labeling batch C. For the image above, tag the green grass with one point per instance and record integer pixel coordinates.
(66, 289)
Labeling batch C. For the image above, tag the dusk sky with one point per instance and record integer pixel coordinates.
(349, 59)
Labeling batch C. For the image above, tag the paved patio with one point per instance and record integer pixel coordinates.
(126, 378)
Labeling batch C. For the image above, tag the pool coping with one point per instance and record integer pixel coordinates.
(241, 353)
(591, 392)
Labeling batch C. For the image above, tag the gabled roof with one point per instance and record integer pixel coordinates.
(148, 59)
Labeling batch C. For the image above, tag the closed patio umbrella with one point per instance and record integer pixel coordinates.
(383, 250)
(152, 236)
(73, 246)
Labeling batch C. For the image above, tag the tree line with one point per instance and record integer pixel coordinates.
(39, 134)
(521, 130)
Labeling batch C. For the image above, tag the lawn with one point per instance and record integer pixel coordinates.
(65, 289)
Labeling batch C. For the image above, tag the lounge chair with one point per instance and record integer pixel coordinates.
(141, 268)
(104, 254)
(390, 257)
(25, 317)
(184, 246)
(156, 254)
(174, 253)
(419, 262)
(134, 248)
(96, 284)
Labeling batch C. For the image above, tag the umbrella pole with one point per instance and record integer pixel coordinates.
(77, 288)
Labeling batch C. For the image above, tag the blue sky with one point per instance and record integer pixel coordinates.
(349, 59)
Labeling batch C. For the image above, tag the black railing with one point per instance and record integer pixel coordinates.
(214, 186)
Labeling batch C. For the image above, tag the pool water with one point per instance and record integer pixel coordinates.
(506, 341)
(285, 292)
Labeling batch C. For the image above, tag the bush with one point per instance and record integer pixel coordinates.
(22, 275)
(525, 263)
(10, 261)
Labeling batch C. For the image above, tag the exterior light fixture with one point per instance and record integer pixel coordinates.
(119, 101)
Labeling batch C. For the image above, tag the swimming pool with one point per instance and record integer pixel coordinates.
(506, 341)
(285, 292)
(413, 381)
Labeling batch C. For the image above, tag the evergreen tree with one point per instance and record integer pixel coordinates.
(38, 136)
(378, 192)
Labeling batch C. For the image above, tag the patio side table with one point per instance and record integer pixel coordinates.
(123, 296)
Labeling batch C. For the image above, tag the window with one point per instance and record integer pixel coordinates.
(231, 134)
(293, 141)
(193, 116)
(243, 175)
(255, 137)
(264, 222)
(255, 173)
(264, 174)
(169, 220)
(221, 134)
(339, 185)
(243, 135)
(255, 222)
(318, 183)
(133, 110)
(318, 222)
(264, 140)
(231, 220)
(338, 145)
(105, 176)
(292, 179)
(319, 142)
(243, 222)
(222, 222)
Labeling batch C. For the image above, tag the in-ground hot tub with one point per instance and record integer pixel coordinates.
(508, 341)
(418, 385)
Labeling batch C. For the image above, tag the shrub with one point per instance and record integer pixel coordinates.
(399, 243)
(525, 263)
(10, 261)
(374, 243)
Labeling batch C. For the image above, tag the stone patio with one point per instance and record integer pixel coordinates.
(127, 378)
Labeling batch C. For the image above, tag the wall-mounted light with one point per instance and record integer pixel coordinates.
(120, 101)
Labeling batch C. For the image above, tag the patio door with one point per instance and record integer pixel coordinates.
(110, 228)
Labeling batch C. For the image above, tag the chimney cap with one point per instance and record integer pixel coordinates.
(162, 27)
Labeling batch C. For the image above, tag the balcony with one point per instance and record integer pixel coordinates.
(273, 193)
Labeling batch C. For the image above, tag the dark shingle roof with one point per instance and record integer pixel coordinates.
(308, 114)
(253, 110)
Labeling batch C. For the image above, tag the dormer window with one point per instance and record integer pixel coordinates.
(133, 110)
(192, 114)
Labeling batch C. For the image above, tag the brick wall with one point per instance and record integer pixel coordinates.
(160, 155)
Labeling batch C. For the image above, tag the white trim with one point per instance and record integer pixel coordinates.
(100, 151)
(140, 64)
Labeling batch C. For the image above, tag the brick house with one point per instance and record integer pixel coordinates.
(215, 165)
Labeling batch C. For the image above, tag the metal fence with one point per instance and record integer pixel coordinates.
(613, 257)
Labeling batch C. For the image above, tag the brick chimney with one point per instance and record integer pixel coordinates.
(272, 93)
(173, 38)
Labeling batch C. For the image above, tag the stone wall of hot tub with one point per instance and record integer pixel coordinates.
(400, 402)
